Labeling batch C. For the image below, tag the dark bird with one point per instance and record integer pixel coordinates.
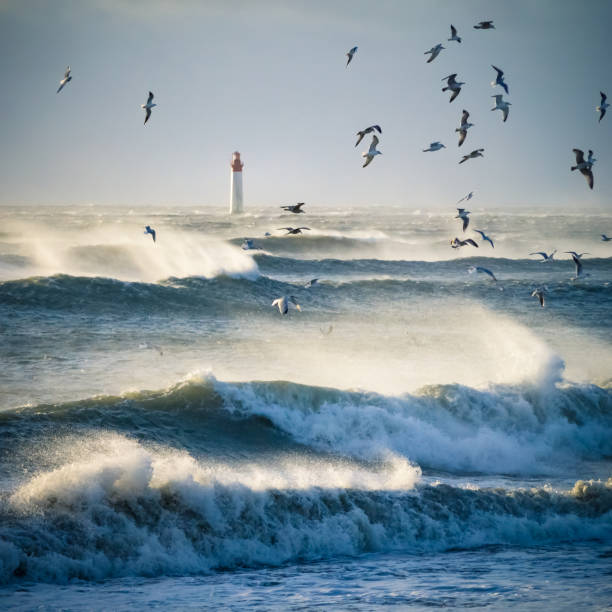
(472, 155)
(539, 293)
(481, 270)
(601, 109)
(485, 237)
(150, 230)
(605, 238)
(583, 166)
(67, 78)
(499, 80)
(484, 25)
(464, 127)
(294, 230)
(148, 106)
(362, 133)
(456, 243)
(452, 85)
(350, 55)
(296, 208)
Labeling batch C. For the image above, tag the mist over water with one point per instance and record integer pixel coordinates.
(160, 419)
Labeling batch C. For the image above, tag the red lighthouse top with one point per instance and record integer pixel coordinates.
(236, 163)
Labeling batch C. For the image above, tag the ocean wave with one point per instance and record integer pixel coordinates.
(122, 509)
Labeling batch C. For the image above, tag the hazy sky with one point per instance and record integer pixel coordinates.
(268, 77)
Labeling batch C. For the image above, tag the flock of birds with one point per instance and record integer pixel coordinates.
(454, 86)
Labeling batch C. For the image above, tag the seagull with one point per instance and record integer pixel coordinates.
(574, 254)
(452, 85)
(463, 214)
(472, 155)
(150, 230)
(367, 131)
(148, 106)
(605, 238)
(435, 51)
(464, 127)
(601, 109)
(482, 270)
(499, 80)
(485, 237)
(372, 151)
(454, 34)
(539, 293)
(468, 197)
(545, 257)
(434, 146)
(583, 166)
(296, 208)
(484, 25)
(350, 55)
(67, 78)
(311, 283)
(502, 105)
(456, 243)
(283, 303)
(579, 272)
(294, 230)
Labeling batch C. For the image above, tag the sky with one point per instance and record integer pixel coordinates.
(269, 78)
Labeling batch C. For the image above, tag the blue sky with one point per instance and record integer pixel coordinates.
(268, 78)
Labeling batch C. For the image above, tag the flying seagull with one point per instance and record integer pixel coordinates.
(296, 208)
(148, 106)
(463, 215)
(499, 80)
(454, 34)
(350, 55)
(283, 303)
(434, 146)
(605, 238)
(579, 272)
(67, 78)
(464, 127)
(583, 166)
(601, 109)
(468, 197)
(362, 133)
(502, 105)
(294, 230)
(434, 51)
(484, 25)
(485, 237)
(545, 257)
(472, 155)
(372, 151)
(456, 243)
(574, 254)
(150, 230)
(452, 85)
(311, 283)
(539, 293)
(482, 270)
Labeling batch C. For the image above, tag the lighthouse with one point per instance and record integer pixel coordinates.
(236, 185)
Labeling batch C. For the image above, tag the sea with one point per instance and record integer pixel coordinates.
(417, 436)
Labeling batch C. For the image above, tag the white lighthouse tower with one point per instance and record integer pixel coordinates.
(236, 185)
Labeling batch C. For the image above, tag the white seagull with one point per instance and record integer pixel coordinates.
(579, 272)
(545, 257)
(502, 105)
(464, 127)
(463, 215)
(283, 303)
(452, 85)
(454, 34)
(499, 80)
(362, 133)
(67, 78)
(485, 237)
(603, 105)
(435, 51)
(148, 106)
(484, 25)
(539, 293)
(468, 197)
(472, 155)
(350, 55)
(456, 243)
(481, 270)
(583, 166)
(372, 151)
(434, 146)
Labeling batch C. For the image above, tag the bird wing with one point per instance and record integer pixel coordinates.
(377, 128)
(602, 113)
(455, 94)
(301, 228)
(453, 30)
(544, 255)
(588, 175)
(506, 111)
(369, 158)
(148, 114)
(466, 222)
(603, 97)
(464, 117)
(60, 87)
(470, 241)
(486, 271)
(578, 265)
(500, 73)
(150, 98)
(289, 229)
(482, 234)
(299, 205)
(67, 73)
(579, 156)
(449, 77)
(361, 135)
(498, 98)
(374, 142)
(462, 136)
